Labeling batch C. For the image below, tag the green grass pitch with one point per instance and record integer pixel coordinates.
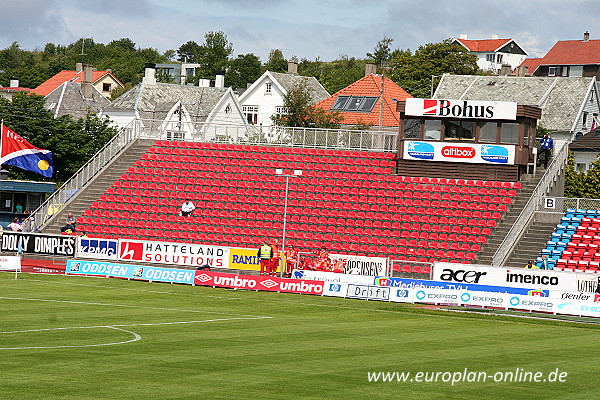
(77, 338)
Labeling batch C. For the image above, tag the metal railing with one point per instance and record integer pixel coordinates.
(520, 225)
(344, 139)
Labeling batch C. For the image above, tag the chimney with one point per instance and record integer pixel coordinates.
(149, 74)
(220, 79)
(293, 67)
(586, 36)
(463, 36)
(78, 67)
(370, 68)
(87, 82)
(522, 70)
(204, 82)
(505, 69)
(494, 37)
(14, 82)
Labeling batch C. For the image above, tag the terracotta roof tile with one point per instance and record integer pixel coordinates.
(483, 45)
(370, 85)
(573, 52)
(65, 76)
(532, 64)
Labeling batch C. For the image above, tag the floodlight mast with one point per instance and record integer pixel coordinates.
(296, 173)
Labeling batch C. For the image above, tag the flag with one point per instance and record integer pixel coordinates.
(22, 154)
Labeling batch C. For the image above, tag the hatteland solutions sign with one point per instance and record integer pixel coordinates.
(473, 109)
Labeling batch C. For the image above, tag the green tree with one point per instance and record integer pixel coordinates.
(574, 181)
(300, 113)
(414, 72)
(213, 55)
(591, 182)
(243, 70)
(276, 62)
(188, 52)
(382, 52)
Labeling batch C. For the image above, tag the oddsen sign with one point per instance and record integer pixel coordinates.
(474, 109)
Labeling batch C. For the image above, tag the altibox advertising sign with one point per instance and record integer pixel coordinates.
(196, 255)
(459, 152)
(472, 109)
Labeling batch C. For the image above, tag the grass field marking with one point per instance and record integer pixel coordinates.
(136, 337)
(119, 327)
(123, 288)
(125, 305)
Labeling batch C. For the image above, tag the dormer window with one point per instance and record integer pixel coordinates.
(354, 103)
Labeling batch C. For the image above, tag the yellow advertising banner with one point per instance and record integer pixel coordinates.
(247, 259)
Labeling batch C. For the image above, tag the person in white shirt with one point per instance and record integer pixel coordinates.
(15, 226)
(187, 208)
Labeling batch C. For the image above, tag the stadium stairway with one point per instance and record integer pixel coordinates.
(535, 237)
(98, 185)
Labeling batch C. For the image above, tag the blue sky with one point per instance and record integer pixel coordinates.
(303, 28)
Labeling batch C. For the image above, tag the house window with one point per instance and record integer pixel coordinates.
(251, 114)
(490, 57)
(354, 103)
(499, 58)
(488, 132)
(412, 128)
(462, 130)
(433, 129)
(106, 87)
(565, 71)
(228, 109)
(581, 167)
(552, 71)
(585, 119)
(268, 88)
(510, 133)
(282, 110)
(526, 129)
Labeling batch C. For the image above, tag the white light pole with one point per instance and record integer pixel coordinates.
(279, 171)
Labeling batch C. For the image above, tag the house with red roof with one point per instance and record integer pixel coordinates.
(493, 53)
(369, 101)
(103, 81)
(9, 91)
(574, 58)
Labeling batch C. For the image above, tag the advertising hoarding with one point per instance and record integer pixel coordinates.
(196, 255)
(37, 243)
(451, 108)
(459, 152)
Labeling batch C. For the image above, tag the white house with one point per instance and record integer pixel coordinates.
(265, 97)
(173, 111)
(493, 53)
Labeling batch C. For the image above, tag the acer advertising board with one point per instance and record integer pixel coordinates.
(459, 152)
(510, 277)
(473, 109)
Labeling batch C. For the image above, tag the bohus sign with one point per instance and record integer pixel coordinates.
(474, 109)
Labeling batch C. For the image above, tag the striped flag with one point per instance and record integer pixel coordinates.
(22, 154)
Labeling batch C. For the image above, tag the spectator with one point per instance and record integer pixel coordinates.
(530, 265)
(69, 225)
(19, 208)
(27, 224)
(291, 260)
(264, 255)
(547, 144)
(276, 256)
(544, 262)
(15, 226)
(187, 208)
(323, 263)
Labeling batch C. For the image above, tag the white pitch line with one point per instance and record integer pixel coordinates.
(122, 305)
(136, 337)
